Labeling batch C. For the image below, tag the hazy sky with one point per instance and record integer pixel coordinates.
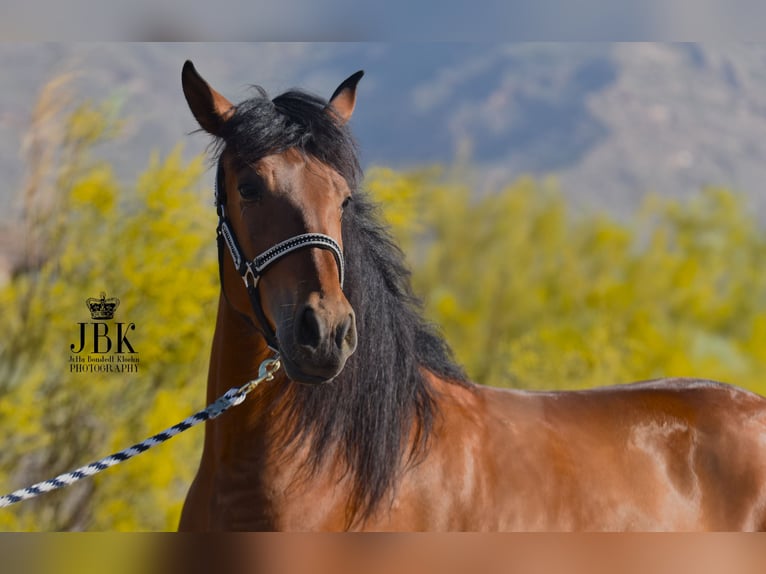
(393, 20)
(610, 121)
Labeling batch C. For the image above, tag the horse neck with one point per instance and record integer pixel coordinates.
(237, 352)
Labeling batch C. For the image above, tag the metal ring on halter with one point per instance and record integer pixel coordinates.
(250, 273)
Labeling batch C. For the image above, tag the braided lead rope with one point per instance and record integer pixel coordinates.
(230, 398)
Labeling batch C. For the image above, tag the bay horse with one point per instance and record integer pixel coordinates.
(370, 424)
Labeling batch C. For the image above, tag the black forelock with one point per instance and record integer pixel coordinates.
(295, 119)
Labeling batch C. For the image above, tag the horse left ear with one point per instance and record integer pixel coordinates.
(343, 99)
(209, 107)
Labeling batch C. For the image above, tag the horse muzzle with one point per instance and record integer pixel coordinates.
(317, 343)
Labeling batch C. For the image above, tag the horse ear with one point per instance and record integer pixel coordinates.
(343, 99)
(209, 107)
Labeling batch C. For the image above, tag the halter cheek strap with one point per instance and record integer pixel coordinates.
(252, 270)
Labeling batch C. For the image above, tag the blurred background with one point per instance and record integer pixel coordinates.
(610, 121)
(575, 215)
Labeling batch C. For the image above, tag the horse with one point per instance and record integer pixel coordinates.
(371, 425)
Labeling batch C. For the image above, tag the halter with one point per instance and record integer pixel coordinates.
(251, 271)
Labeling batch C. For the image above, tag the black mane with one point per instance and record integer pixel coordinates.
(367, 414)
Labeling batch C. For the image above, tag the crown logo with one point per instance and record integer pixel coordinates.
(103, 308)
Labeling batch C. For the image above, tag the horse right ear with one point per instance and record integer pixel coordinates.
(343, 100)
(209, 107)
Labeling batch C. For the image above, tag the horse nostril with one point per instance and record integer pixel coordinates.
(309, 329)
(346, 333)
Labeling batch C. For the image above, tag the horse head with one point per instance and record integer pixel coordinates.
(287, 170)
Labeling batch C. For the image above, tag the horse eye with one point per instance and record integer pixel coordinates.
(249, 191)
(345, 203)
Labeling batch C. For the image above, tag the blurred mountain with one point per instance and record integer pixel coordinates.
(610, 121)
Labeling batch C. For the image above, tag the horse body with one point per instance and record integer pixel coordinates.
(676, 454)
(399, 439)
(665, 455)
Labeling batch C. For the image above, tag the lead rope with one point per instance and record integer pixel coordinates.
(230, 398)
